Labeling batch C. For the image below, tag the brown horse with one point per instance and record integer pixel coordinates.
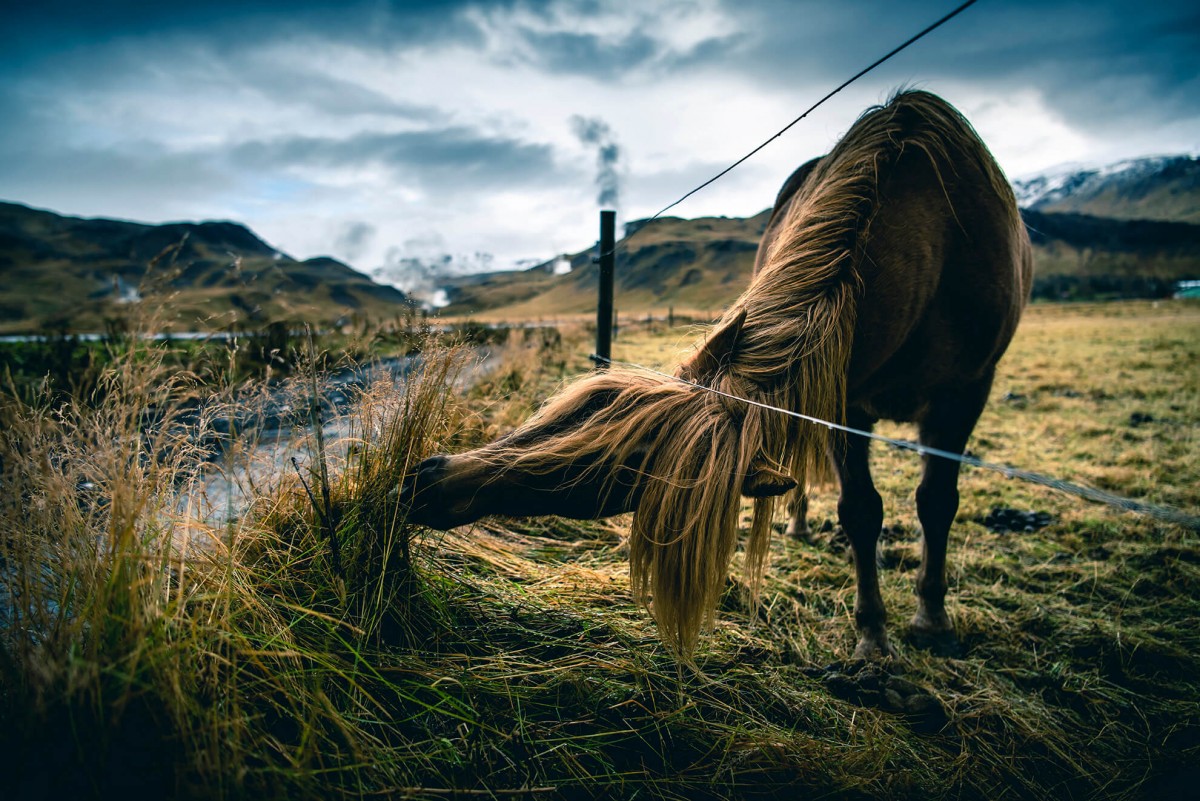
(888, 284)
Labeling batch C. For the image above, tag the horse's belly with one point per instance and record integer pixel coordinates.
(929, 363)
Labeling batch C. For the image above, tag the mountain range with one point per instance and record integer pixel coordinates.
(1156, 188)
(59, 272)
(1121, 230)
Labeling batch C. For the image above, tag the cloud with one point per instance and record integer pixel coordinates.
(352, 240)
(114, 182)
(615, 58)
(1103, 66)
(302, 85)
(615, 41)
(35, 29)
(445, 160)
(589, 54)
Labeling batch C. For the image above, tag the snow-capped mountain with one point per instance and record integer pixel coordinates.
(1157, 187)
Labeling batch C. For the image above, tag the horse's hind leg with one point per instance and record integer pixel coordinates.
(947, 426)
(860, 510)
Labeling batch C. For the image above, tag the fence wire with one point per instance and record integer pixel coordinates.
(1089, 493)
(911, 40)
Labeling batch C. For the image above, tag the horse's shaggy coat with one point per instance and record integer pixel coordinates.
(888, 284)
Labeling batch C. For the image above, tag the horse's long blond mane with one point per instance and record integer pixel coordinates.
(793, 352)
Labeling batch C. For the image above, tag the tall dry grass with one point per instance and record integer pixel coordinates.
(149, 646)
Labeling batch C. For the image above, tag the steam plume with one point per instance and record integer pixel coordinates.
(595, 132)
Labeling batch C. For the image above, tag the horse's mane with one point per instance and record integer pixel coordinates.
(796, 323)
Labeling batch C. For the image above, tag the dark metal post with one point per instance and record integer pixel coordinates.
(604, 307)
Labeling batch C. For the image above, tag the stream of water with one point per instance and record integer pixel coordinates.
(259, 449)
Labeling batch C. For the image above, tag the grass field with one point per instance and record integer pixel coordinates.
(321, 649)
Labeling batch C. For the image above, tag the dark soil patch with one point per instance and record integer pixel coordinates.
(1004, 520)
(881, 686)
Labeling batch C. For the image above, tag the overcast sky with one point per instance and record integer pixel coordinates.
(379, 130)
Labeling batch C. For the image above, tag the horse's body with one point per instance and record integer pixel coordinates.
(888, 284)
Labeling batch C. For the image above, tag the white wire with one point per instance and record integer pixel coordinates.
(1089, 493)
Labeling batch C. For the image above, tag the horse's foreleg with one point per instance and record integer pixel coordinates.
(948, 425)
(798, 514)
(860, 510)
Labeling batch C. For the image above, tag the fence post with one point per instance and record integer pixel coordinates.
(604, 306)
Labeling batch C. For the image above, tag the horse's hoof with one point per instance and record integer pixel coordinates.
(939, 642)
(875, 648)
(800, 533)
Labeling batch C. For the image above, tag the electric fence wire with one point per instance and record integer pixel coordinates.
(1089, 493)
(911, 40)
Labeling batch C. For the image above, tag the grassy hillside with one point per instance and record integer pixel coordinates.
(701, 265)
(313, 649)
(60, 271)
